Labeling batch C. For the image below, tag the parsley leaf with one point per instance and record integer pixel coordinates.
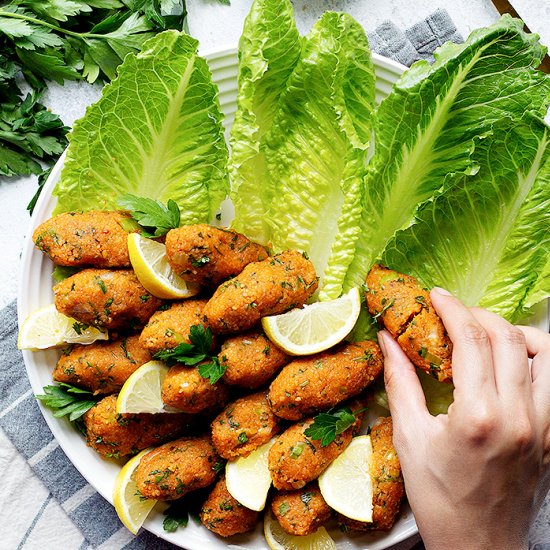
(179, 512)
(328, 425)
(190, 354)
(214, 370)
(65, 399)
(154, 218)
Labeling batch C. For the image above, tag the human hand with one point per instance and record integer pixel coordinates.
(475, 477)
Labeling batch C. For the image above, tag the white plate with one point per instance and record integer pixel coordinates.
(36, 291)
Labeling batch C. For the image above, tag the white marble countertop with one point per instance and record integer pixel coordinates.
(216, 26)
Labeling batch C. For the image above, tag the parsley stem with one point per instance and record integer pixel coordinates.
(81, 35)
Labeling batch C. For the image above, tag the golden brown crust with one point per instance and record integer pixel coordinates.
(168, 328)
(295, 459)
(301, 512)
(116, 435)
(406, 310)
(387, 481)
(251, 359)
(176, 468)
(106, 299)
(224, 515)
(208, 255)
(270, 287)
(101, 367)
(186, 390)
(243, 426)
(319, 382)
(93, 238)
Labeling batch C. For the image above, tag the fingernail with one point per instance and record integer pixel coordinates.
(441, 291)
(381, 342)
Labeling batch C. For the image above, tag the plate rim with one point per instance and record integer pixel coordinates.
(57, 425)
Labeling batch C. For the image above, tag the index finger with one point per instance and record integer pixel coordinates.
(472, 359)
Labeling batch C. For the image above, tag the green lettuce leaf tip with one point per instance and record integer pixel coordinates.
(156, 132)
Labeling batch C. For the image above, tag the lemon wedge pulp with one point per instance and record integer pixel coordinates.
(316, 327)
(148, 258)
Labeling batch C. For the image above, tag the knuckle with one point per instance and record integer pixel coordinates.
(514, 336)
(480, 427)
(522, 435)
(475, 334)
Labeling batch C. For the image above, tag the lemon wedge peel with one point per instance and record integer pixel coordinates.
(315, 327)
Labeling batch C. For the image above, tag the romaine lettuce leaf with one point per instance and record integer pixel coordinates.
(488, 241)
(268, 51)
(316, 149)
(156, 132)
(429, 125)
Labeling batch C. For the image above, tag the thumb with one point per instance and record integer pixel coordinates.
(405, 394)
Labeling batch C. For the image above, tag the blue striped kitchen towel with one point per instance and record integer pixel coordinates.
(20, 417)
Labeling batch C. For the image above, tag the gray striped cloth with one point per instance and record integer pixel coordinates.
(20, 417)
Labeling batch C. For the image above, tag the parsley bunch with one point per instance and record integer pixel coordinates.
(326, 426)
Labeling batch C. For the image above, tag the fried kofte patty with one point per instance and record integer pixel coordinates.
(208, 255)
(116, 435)
(269, 287)
(101, 367)
(405, 309)
(224, 515)
(170, 327)
(251, 359)
(301, 512)
(106, 299)
(186, 390)
(321, 381)
(176, 468)
(295, 459)
(243, 426)
(77, 239)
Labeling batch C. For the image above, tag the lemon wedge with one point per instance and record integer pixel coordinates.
(131, 508)
(149, 261)
(346, 484)
(278, 539)
(141, 393)
(248, 478)
(315, 327)
(47, 328)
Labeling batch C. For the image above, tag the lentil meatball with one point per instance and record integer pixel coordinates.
(101, 367)
(95, 238)
(186, 390)
(224, 515)
(243, 426)
(114, 435)
(269, 287)
(319, 382)
(301, 512)
(405, 309)
(176, 468)
(170, 327)
(208, 255)
(105, 299)
(251, 359)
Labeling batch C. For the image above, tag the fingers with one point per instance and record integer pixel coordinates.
(510, 360)
(405, 394)
(472, 356)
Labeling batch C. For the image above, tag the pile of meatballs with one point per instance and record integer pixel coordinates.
(263, 393)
